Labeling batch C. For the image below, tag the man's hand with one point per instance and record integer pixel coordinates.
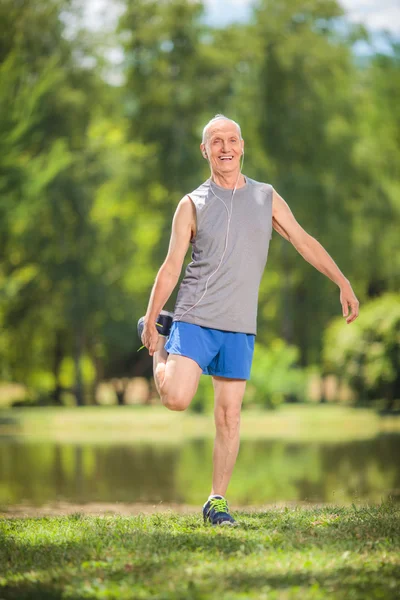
(150, 337)
(348, 300)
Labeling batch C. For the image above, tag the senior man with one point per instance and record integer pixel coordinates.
(228, 220)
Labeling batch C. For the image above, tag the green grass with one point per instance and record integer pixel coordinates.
(151, 423)
(314, 553)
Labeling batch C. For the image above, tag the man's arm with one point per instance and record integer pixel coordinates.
(168, 275)
(311, 250)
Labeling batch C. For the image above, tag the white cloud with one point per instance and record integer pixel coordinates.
(384, 14)
(375, 14)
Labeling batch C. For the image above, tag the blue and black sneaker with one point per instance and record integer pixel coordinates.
(216, 512)
(163, 324)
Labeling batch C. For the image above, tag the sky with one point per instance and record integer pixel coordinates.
(375, 14)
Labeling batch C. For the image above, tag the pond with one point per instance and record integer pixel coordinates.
(267, 471)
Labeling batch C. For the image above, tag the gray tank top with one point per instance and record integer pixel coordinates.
(230, 302)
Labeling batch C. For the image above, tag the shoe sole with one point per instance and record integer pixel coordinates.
(140, 325)
(223, 523)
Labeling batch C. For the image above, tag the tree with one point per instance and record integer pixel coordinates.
(367, 354)
(46, 192)
(306, 77)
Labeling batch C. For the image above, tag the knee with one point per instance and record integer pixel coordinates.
(227, 420)
(175, 401)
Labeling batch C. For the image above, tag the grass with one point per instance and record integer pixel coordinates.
(286, 554)
(143, 423)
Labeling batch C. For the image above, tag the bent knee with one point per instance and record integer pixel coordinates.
(175, 401)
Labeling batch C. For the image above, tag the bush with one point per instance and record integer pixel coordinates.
(274, 375)
(203, 402)
(366, 354)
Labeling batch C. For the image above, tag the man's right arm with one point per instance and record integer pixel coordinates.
(183, 225)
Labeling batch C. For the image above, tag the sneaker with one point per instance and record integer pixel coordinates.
(163, 324)
(216, 512)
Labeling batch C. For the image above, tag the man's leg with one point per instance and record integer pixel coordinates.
(228, 394)
(176, 377)
(160, 357)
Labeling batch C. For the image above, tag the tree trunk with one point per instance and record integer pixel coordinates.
(287, 316)
(99, 373)
(120, 397)
(79, 345)
(58, 357)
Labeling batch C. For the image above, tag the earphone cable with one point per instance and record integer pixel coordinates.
(226, 239)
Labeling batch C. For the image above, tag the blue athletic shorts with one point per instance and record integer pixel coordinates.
(222, 353)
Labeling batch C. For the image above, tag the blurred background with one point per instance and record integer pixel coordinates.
(102, 105)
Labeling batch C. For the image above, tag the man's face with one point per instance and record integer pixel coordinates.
(224, 146)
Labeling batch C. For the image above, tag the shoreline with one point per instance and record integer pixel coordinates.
(109, 509)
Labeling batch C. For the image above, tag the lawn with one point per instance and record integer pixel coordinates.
(305, 422)
(283, 553)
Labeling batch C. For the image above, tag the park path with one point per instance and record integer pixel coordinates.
(93, 509)
(125, 509)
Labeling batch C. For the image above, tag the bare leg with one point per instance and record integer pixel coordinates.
(176, 377)
(160, 357)
(228, 402)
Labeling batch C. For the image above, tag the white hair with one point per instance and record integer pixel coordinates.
(218, 118)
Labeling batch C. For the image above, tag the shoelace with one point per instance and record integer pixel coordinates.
(219, 504)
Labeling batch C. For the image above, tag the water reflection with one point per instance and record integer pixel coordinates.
(266, 471)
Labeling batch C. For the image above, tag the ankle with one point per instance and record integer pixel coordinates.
(216, 496)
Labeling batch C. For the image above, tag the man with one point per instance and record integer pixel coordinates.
(229, 221)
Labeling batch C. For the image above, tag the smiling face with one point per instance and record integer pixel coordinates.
(223, 147)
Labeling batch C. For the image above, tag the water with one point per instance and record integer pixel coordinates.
(266, 472)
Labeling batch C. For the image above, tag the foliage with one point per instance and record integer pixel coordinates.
(274, 375)
(47, 192)
(203, 402)
(91, 173)
(367, 355)
(316, 553)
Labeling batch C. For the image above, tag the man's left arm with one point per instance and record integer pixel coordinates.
(311, 250)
